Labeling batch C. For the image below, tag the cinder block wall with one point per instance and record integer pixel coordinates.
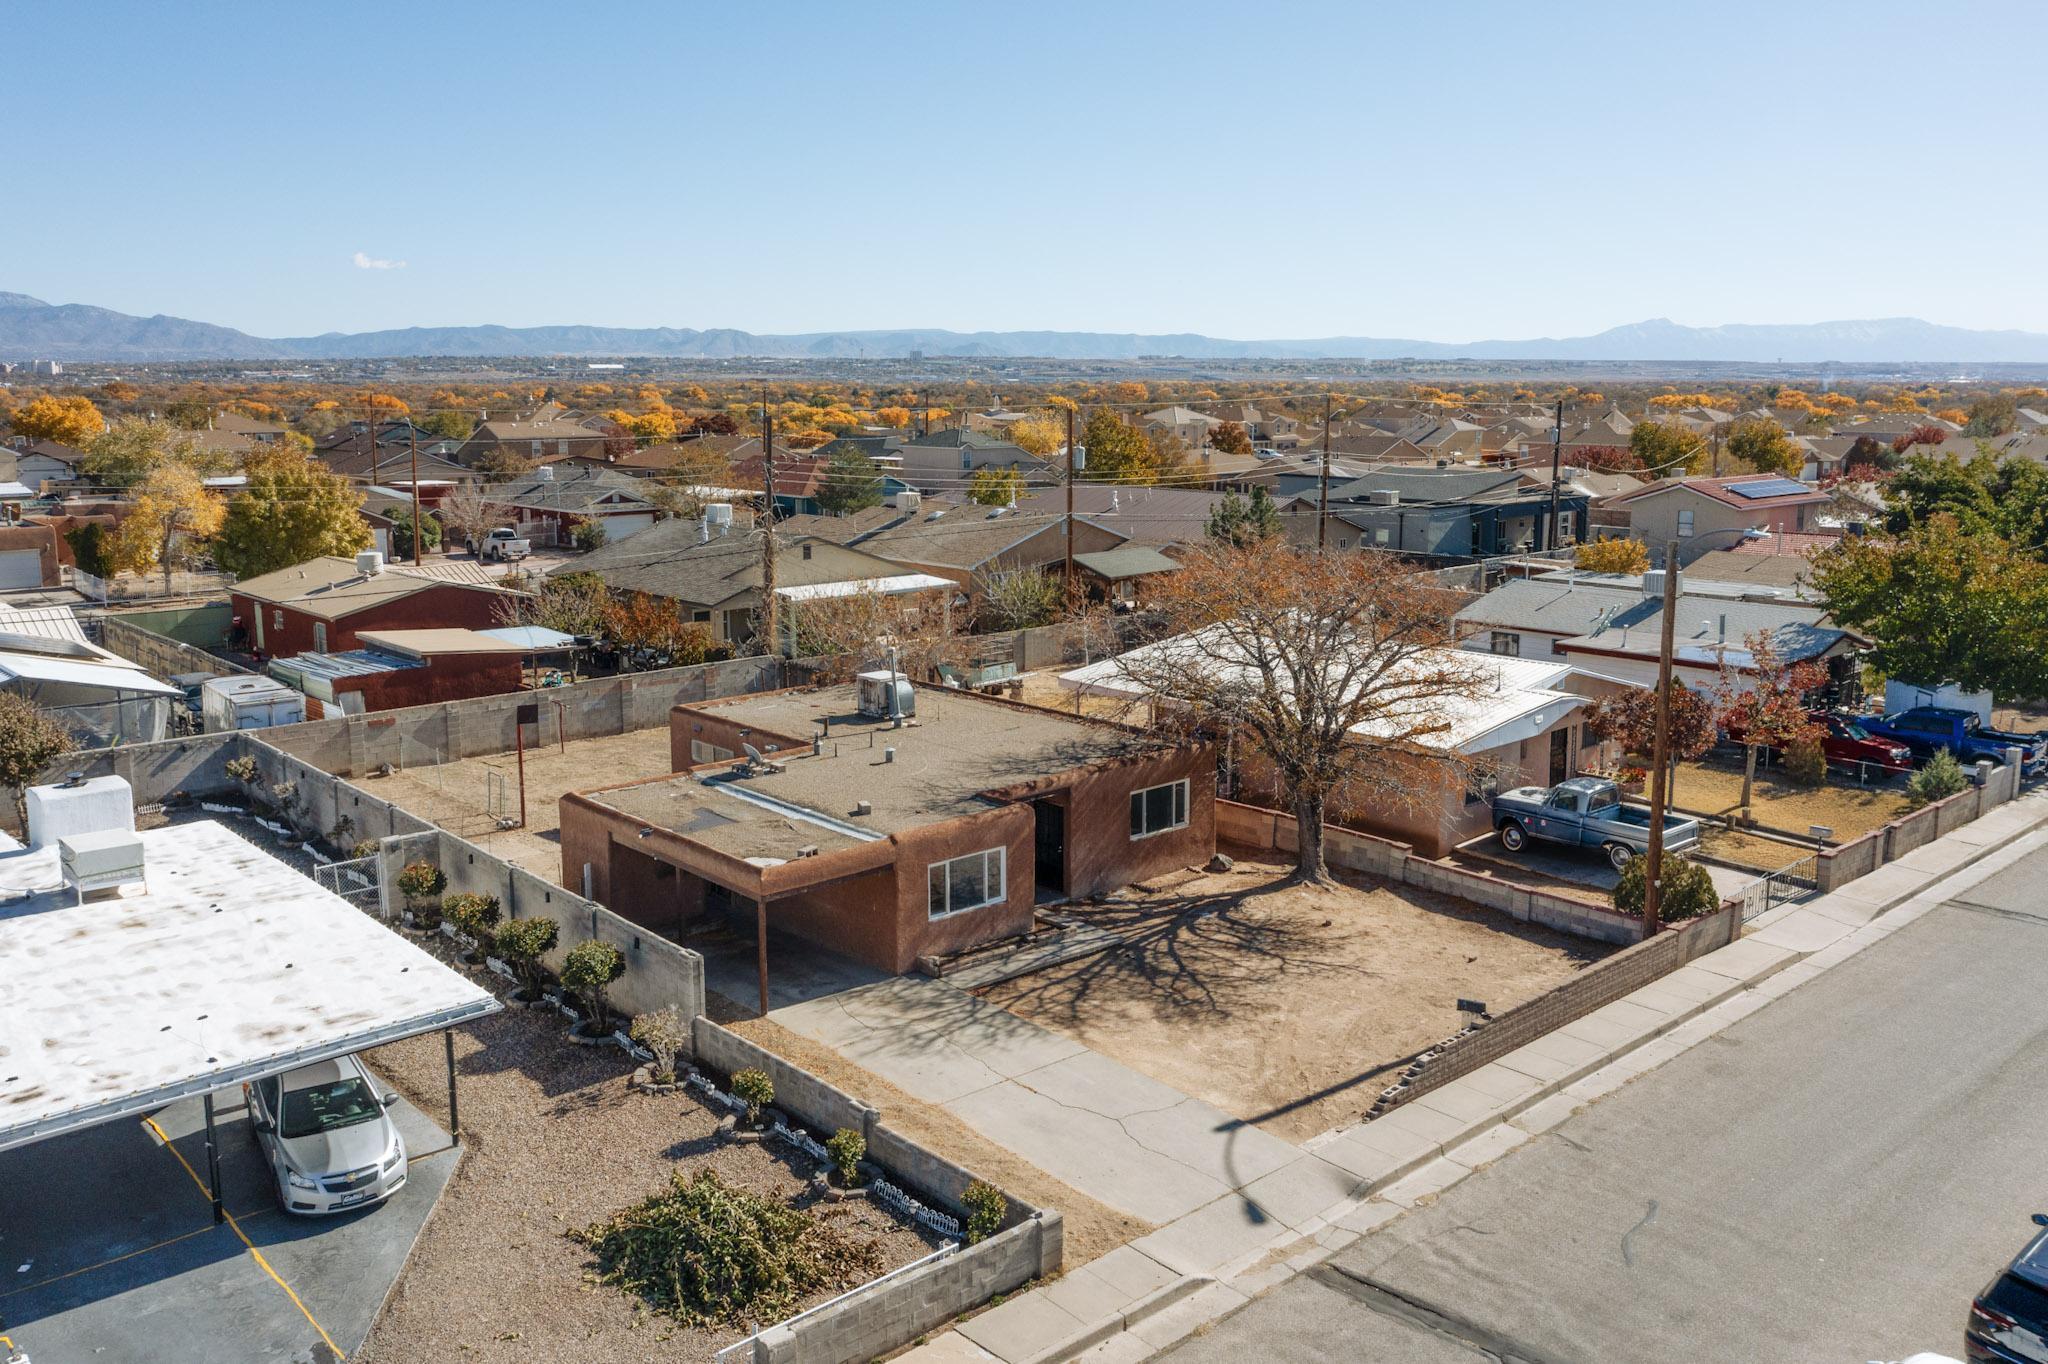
(162, 655)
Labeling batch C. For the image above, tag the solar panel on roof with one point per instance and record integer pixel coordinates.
(1768, 487)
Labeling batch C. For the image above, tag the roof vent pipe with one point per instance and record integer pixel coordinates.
(889, 753)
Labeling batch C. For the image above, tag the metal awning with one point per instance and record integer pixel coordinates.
(893, 585)
(226, 966)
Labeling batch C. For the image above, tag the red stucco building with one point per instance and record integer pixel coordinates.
(886, 842)
(324, 604)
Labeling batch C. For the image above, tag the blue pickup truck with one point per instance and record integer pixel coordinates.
(1929, 729)
(1585, 812)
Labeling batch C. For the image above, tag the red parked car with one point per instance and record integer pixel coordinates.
(1846, 744)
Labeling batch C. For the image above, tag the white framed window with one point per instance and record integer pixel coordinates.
(1159, 809)
(536, 449)
(1685, 524)
(963, 883)
(1507, 642)
(701, 752)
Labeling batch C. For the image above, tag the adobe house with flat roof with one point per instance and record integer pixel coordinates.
(882, 840)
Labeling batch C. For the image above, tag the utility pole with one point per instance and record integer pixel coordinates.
(1717, 450)
(413, 436)
(771, 612)
(1070, 507)
(1556, 455)
(1323, 497)
(1660, 753)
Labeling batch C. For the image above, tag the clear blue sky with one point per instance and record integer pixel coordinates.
(1444, 171)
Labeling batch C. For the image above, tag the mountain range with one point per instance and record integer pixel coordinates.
(32, 329)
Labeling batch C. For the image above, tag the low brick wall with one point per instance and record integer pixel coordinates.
(1256, 827)
(873, 1323)
(1594, 988)
(1840, 865)
(890, 1316)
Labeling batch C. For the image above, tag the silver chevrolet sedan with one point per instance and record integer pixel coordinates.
(330, 1142)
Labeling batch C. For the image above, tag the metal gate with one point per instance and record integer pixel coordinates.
(354, 880)
(1793, 881)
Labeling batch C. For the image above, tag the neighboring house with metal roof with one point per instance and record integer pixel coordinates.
(1614, 632)
(548, 504)
(717, 583)
(322, 605)
(1704, 514)
(1523, 724)
(395, 668)
(966, 544)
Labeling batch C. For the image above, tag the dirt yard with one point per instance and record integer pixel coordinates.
(1849, 810)
(1287, 1006)
(556, 1141)
(456, 796)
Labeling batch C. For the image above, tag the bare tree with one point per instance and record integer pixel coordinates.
(1340, 669)
(855, 632)
(470, 515)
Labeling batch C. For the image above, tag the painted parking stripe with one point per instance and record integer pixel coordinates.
(254, 1253)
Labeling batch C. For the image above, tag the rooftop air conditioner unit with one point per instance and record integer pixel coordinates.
(873, 692)
(369, 563)
(546, 473)
(1383, 497)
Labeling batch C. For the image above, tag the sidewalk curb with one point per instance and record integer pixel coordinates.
(1158, 1300)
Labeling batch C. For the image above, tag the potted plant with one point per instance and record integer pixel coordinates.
(1631, 779)
(587, 973)
(421, 883)
(665, 1032)
(521, 944)
(474, 916)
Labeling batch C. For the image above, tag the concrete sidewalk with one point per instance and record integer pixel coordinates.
(1215, 1257)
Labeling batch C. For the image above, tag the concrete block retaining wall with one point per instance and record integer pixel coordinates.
(885, 1318)
(1840, 865)
(1594, 988)
(196, 766)
(450, 731)
(1374, 856)
(162, 655)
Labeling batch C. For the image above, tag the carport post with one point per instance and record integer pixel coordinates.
(761, 948)
(454, 1111)
(213, 1161)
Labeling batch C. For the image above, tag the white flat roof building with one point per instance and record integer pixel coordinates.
(228, 966)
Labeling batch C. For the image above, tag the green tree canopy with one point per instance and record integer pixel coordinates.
(1763, 446)
(994, 487)
(1944, 603)
(291, 510)
(401, 533)
(1240, 520)
(1663, 449)
(849, 482)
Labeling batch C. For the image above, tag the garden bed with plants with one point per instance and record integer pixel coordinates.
(565, 1234)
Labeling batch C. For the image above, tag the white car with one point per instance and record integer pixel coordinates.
(330, 1142)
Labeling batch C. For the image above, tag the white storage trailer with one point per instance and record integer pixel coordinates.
(228, 703)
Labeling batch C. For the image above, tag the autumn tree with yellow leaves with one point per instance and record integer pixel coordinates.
(174, 514)
(68, 421)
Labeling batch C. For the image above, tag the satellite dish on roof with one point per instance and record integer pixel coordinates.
(753, 753)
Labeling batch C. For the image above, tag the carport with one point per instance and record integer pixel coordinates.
(228, 966)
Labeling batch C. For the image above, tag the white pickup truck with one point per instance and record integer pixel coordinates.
(504, 543)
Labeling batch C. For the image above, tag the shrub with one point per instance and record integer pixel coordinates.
(1805, 763)
(1942, 777)
(242, 770)
(419, 881)
(754, 1089)
(475, 915)
(1688, 889)
(846, 1148)
(665, 1032)
(588, 535)
(522, 943)
(363, 847)
(588, 971)
(986, 1208)
(704, 1252)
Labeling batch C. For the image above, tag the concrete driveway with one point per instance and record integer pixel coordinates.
(111, 1253)
(1581, 869)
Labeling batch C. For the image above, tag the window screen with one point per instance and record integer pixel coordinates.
(1159, 808)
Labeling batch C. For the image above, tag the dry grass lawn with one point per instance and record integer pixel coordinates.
(1287, 1006)
(1849, 810)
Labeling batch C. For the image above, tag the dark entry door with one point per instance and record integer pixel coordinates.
(1560, 755)
(1050, 862)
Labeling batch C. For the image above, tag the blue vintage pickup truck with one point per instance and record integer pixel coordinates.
(1585, 812)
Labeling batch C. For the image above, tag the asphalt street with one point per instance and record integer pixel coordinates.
(1830, 1179)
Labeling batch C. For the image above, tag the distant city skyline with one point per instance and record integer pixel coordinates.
(1305, 170)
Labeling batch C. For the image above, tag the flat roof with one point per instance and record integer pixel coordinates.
(226, 967)
(953, 751)
(444, 640)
